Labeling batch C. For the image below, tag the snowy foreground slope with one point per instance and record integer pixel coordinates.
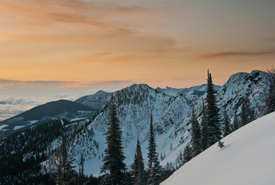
(248, 157)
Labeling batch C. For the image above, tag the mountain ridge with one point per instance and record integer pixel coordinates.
(171, 117)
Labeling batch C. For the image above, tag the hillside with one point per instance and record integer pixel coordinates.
(44, 113)
(246, 158)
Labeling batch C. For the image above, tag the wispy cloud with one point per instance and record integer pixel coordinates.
(100, 17)
(270, 39)
(142, 50)
(232, 53)
(4, 83)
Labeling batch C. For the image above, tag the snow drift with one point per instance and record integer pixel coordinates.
(248, 157)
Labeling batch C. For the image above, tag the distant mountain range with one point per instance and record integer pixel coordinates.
(171, 110)
(44, 113)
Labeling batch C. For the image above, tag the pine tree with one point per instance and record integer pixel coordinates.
(220, 144)
(138, 167)
(244, 111)
(235, 122)
(153, 162)
(226, 122)
(195, 134)
(81, 176)
(61, 165)
(204, 129)
(67, 163)
(187, 154)
(113, 167)
(213, 121)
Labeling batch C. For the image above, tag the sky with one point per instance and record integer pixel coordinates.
(52, 49)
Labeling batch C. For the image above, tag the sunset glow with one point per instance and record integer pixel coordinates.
(161, 43)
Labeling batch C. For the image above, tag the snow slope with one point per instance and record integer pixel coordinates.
(248, 157)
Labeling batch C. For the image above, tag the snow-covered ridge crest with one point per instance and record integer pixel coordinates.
(246, 158)
(171, 114)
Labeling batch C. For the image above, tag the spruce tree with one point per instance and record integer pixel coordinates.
(67, 163)
(226, 122)
(113, 167)
(204, 129)
(195, 134)
(137, 167)
(213, 121)
(154, 168)
(61, 164)
(187, 154)
(235, 122)
(244, 111)
(81, 176)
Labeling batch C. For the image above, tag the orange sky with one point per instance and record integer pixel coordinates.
(161, 43)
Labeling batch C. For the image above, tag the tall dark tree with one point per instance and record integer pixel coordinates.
(226, 122)
(213, 120)
(270, 97)
(113, 167)
(67, 163)
(195, 134)
(204, 129)
(244, 112)
(81, 176)
(187, 154)
(137, 167)
(61, 164)
(247, 113)
(154, 168)
(235, 122)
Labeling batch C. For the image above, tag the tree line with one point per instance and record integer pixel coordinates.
(214, 126)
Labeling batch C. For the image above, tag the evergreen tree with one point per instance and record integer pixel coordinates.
(213, 121)
(220, 144)
(67, 163)
(226, 122)
(235, 122)
(187, 154)
(138, 167)
(270, 97)
(247, 114)
(113, 167)
(195, 134)
(81, 176)
(204, 129)
(153, 162)
(244, 112)
(61, 165)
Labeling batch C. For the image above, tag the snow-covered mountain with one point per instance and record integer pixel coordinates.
(41, 114)
(246, 158)
(95, 101)
(171, 113)
(170, 116)
(196, 90)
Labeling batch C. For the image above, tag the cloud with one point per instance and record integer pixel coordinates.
(230, 54)
(271, 39)
(142, 49)
(70, 14)
(19, 96)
